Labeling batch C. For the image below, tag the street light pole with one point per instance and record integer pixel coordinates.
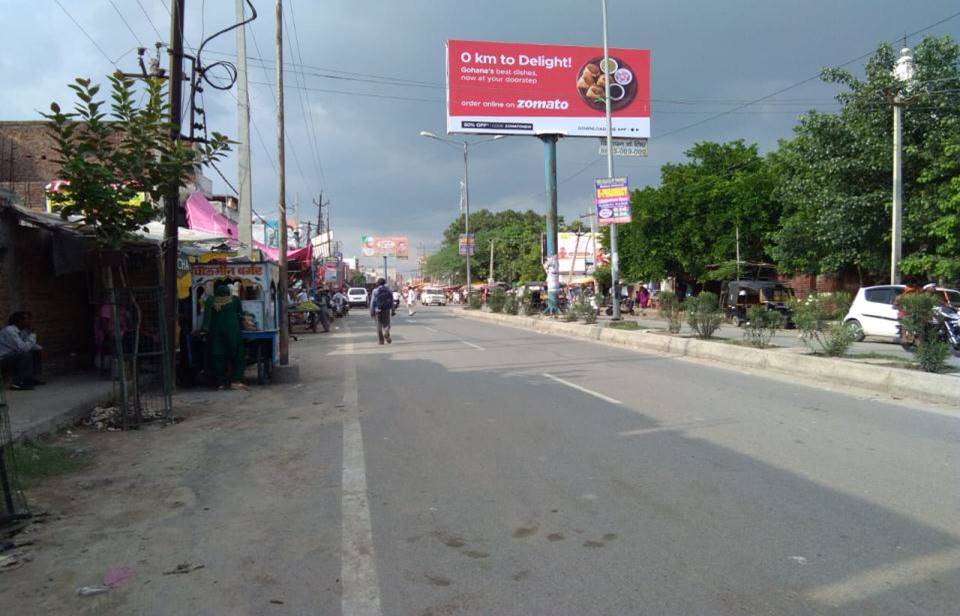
(466, 215)
(466, 185)
(903, 72)
(614, 253)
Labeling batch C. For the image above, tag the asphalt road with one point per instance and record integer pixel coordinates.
(470, 468)
(517, 473)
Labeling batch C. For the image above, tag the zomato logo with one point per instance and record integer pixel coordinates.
(523, 103)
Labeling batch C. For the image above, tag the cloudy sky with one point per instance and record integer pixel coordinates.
(358, 140)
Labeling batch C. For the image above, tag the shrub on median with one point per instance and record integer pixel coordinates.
(496, 300)
(670, 310)
(761, 326)
(474, 302)
(703, 314)
(512, 304)
(819, 318)
(919, 323)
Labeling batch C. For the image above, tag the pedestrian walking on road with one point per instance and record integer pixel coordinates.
(381, 304)
(411, 298)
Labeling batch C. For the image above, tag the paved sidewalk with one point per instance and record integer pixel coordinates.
(55, 405)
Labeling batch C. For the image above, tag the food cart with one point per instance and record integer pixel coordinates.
(256, 284)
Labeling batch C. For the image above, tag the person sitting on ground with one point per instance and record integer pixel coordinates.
(19, 352)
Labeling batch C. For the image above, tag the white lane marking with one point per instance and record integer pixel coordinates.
(886, 578)
(430, 329)
(358, 566)
(583, 389)
(476, 346)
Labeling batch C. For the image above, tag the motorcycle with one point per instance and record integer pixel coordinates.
(948, 328)
(340, 309)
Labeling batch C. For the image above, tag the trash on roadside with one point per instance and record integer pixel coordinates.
(118, 576)
(183, 568)
(9, 562)
(104, 418)
(86, 591)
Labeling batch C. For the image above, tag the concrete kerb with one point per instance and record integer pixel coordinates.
(65, 419)
(882, 379)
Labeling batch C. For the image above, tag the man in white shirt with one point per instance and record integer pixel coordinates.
(19, 352)
(411, 298)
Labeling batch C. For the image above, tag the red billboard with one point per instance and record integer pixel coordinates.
(527, 89)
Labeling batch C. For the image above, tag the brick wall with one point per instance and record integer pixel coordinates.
(26, 165)
(62, 315)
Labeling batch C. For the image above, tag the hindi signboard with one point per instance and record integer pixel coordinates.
(625, 147)
(385, 246)
(528, 89)
(468, 244)
(613, 201)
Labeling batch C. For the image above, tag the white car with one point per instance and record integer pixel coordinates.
(357, 296)
(433, 296)
(874, 313)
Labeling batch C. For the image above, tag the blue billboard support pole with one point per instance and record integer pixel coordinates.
(384, 267)
(552, 262)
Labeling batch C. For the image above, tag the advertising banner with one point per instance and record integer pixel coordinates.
(385, 246)
(613, 201)
(577, 253)
(468, 244)
(527, 89)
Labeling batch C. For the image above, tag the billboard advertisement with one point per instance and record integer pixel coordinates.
(385, 246)
(527, 89)
(613, 201)
(468, 244)
(577, 253)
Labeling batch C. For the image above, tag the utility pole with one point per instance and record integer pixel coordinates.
(491, 278)
(245, 212)
(614, 253)
(282, 195)
(171, 199)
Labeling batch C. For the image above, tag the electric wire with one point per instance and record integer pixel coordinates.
(87, 34)
(126, 23)
(149, 19)
(316, 141)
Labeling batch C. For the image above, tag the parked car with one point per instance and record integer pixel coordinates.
(874, 312)
(357, 296)
(433, 296)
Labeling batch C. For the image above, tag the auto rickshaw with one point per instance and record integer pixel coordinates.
(740, 295)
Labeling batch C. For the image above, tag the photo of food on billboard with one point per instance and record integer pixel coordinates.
(385, 246)
(528, 89)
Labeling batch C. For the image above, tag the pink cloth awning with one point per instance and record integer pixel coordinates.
(202, 216)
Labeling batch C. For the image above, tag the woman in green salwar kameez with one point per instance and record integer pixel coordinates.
(221, 325)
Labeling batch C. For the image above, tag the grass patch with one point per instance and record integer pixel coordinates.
(626, 325)
(744, 343)
(35, 461)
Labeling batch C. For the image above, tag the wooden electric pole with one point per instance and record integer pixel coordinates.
(282, 198)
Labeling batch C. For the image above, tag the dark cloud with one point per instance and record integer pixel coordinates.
(380, 175)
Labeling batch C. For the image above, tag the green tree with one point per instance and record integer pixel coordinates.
(109, 158)
(834, 177)
(690, 221)
(516, 247)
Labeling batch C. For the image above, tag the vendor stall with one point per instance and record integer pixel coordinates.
(256, 284)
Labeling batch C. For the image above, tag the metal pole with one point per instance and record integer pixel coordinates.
(245, 210)
(491, 278)
(614, 253)
(553, 266)
(282, 194)
(466, 215)
(172, 197)
(895, 236)
(384, 267)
